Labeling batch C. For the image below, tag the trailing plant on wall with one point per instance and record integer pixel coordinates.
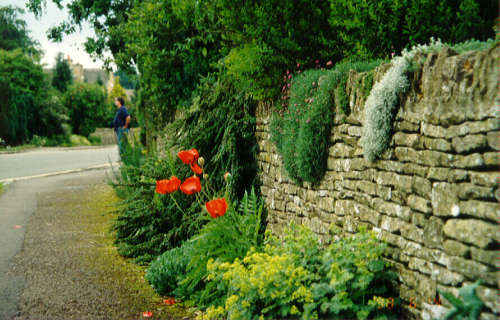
(381, 104)
(301, 127)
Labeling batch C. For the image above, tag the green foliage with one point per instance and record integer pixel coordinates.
(375, 29)
(27, 104)
(221, 125)
(86, 104)
(62, 76)
(301, 128)
(223, 239)
(468, 308)
(13, 32)
(294, 277)
(169, 268)
(149, 224)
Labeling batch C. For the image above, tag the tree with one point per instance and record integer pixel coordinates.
(27, 105)
(13, 32)
(62, 76)
(86, 104)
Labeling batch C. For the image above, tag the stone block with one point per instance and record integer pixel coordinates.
(468, 191)
(490, 257)
(489, 297)
(392, 209)
(434, 131)
(485, 178)
(472, 231)
(391, 224)
(472, 270)
(456, 248)
(410, 231)
(493, 140)
(469, 143)
(419, 204)
(472, 127)
(481, 209)
(327, 204)
(445, 199)
(491, 159)
(446, 174)
(406, 126)
(472, 161)
(408, 140)
(436, 144)
(433, 233)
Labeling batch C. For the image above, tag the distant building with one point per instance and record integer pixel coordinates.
(81, 74)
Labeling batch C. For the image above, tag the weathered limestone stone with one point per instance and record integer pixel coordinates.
(433, 233)
(491, 159)
(391, 224)
(456, 248)
(490, 257)
(487, 316)
(446, 174)
(489, 179)
(489, 297)
(433, 311)
(436, 144)
(418, 219)
(431, 130)
(411, 232)
(471, 161)
(472, 269)
(391, 209)
(327, 204)
(469, 143)
(414, 169)
(494, 140)
(481, 209)
(445, 199)
(355, 131)
(411, 140)
(406, 126)
(341, 150)
(472, 231)
(470, 191)
(472, 127)
(419, 204)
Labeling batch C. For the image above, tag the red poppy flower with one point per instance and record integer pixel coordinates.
(161, 186)
(196, 168)
(216, 208)
(169, 301)
(172, 184)
(147, 314)
(191, 185)
(188, 156)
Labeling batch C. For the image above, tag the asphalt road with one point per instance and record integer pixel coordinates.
(37, 162)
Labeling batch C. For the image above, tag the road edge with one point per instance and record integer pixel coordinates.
(8, 181)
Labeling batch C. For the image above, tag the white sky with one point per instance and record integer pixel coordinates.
(71, 45)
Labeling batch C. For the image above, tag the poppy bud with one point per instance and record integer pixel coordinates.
(201, 161)
(227, 176)
(205, 176)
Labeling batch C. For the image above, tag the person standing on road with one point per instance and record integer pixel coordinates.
(121, 123)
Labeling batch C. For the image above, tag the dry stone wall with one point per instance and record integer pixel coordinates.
(433, 196)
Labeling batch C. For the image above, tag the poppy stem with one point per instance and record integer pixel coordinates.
(175, 201)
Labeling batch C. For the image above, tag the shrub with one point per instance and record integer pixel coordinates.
(86, 104)
(221, 125)
(469, 307)
(169, 268)
(294, 277)
(375, 29)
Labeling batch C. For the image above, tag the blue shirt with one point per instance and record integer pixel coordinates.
(120, 118)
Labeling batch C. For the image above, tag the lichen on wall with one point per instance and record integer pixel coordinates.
(433, 195)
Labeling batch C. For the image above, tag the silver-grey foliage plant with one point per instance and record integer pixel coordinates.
(382, 101)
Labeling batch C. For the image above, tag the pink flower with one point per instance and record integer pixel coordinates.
(289, 85)
(329, 63)
(294, 104)
(307, 121)
(393, 54)
(317, 61)
(298, 65)
(289, 76)
(288, 72)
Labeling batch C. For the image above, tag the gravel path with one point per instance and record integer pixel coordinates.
(69, 264)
